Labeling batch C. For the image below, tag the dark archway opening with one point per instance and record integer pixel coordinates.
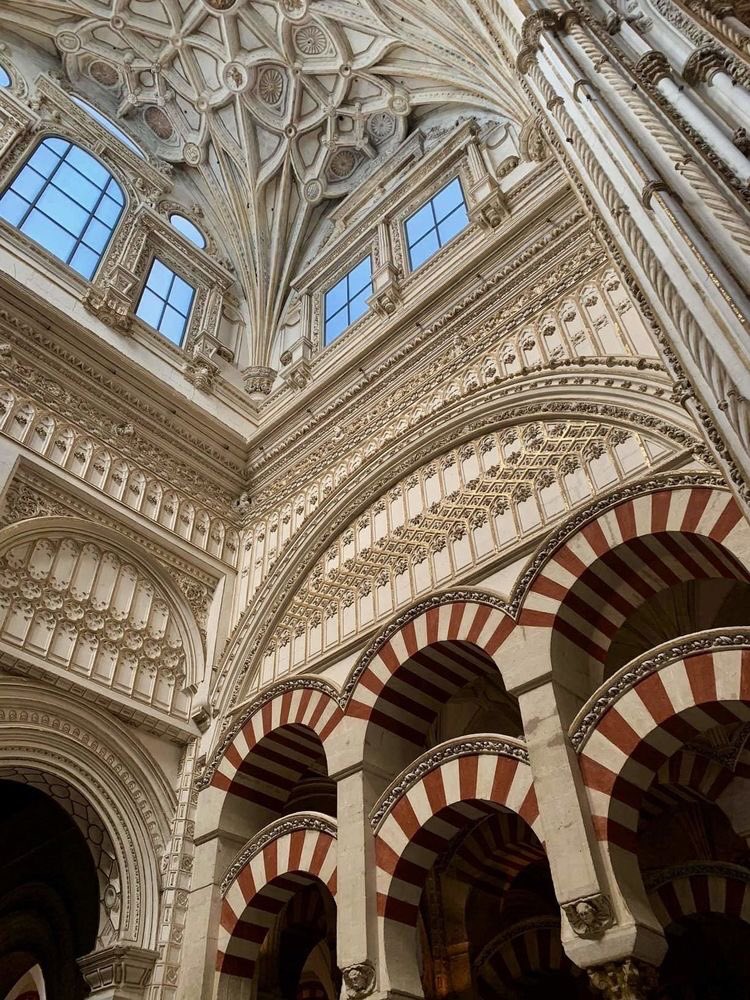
(49, 893)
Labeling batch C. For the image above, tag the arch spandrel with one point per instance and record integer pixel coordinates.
(75, 603)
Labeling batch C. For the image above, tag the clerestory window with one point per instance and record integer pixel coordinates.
(188, 229)
(66, 201)
(5, 80)
(346, 302)
(166, 301)
(435, 223)
(109, 125)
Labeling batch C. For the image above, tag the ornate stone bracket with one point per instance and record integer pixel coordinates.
(119, 966)
(386, 296)
(258, 380)
(589, 916)
(358, 981)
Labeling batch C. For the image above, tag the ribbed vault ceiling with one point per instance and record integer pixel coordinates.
(279, 106)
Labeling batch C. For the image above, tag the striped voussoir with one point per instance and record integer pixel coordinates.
(701, 893)
(592, 582)
(649, 723)
(418, 669)
(263, 886)
(495, 852)
(685, 777)
(533, 946)
(422, 822)
(292, 728)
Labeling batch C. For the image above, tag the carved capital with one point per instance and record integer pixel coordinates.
(653, 66)
(702, 65)
(358, 981)
(119, 964)
(589, 916)
(629, 979)
(258, 380)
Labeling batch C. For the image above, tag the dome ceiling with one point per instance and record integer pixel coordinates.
(279, 105)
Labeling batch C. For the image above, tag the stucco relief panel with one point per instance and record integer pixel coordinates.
(450, 517)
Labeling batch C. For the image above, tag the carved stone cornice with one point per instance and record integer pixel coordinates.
(632, 673)
(316, 822)
(453, 749)
(654, 880)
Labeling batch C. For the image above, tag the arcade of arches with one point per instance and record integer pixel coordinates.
(374, 500)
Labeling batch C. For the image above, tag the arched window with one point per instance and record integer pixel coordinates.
(5, 80)
(110, 126)
(188, 230)
(65, 200)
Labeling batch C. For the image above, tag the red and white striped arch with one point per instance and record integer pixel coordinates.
(263, 886)
(705, 512)
(419, 667)
(420, 824)
(649, 723)
(701, 893)
(307, 715)
(531, 947)
(685, 777)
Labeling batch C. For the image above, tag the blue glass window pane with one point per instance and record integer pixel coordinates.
(28, 184)
(346, 302)
(4, 77)
(437, 222)
(96, 235)
(53, 198)
(76, 186)
(336, 325)
(419, 223)
(172, 325)
(59, 146)
(108, 211)
(452, 225)
(358, 305)
(115, 191)
(44, 160)
(447, 199)
(51, 236)
(360, 276)
(13, 208)
(89, 167)
(190, 231)
(150, 308)
(59, 207)
(181, 296)
(423, 250)
(160, 279)
(84, 261)
(336, 298)
(166, 301)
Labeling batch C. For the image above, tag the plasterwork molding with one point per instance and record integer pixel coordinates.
(70, 398)
(140, 638)
(452, 750)
(487, 412)
(653, 880)
(465, 507)
(317, 822)
(58, 734)
(632, 673)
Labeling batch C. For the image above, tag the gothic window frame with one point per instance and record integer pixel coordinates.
(13, 172)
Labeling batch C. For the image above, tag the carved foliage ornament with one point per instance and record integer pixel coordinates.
(626, 980)
(358, 981)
